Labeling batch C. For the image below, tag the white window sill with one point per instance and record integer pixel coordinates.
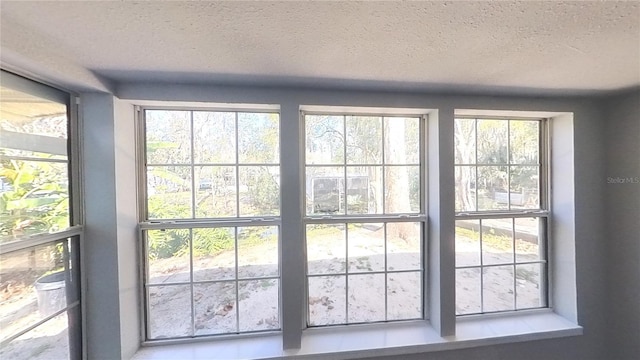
(352, 342)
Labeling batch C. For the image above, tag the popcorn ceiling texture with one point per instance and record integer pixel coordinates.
(549, 46)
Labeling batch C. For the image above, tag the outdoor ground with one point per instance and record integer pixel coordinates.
(334, 297)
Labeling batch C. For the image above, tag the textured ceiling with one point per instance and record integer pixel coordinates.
(537, 47)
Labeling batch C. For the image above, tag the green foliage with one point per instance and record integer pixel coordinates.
(36, 200)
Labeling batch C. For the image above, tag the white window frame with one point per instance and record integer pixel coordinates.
(418, 217)
(193, 223)
(543, 214)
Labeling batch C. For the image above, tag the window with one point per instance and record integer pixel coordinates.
(212, 225)
(364, 219)
(501, 214)
(40, 310)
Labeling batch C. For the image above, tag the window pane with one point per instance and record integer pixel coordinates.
(324, 139)
(214, 137)
(468, 297)
(529, 292)
(259, 190)
(169, 311)
(402, 189)
(168, 256)
(258, 305)
(492, 141)
(403, 246)
(366, 298)
(465, 141)
(493, 185)
(34, 177)
(366, 247)
(404, 296)
(465, 177)
(326, 249)
(497, 288)
(46, 342)
(467, 242)
(497, 241)
(215, 308)
(364, 140)
(168, 137)
(214, 256)
(325, 190)
(402, 140)
(524, 142)
(34, 285)
(364, 190)
(34, 198)
(257, 251)
(258, 138)
(169, 192)
(327, 300)
(528, 239)
(216, 194)
(524, 187)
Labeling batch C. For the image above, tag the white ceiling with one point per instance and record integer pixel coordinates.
(526, 47)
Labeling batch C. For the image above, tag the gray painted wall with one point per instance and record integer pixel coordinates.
(622, 126)
(100, 248)
(112, 301)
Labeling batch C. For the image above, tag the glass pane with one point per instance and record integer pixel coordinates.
(465, 177)
(524, 141)
(468, 297)
(465, 141)
(214, 256)
(402, 189)
(168, 137)
(169, 311)
(214, 137)
(404, 296)
(403, 246)
(366, 247)
(524, 187)
(497, 241)
(493, 188)
(257, 251)
(46, 342)
(215, 308)
(364, 140)
(497, 288)
(259, 190)
(326, 249)
(169, 192)
(364, 190)
(34, 198)
(325, 190)
(168, 256)
(258, 305)
(467, 242)
(402, 140)
(34, 285)
(327, 300)
(216, 195)
(529, 292)
(492, 141)
(527, 239)
(366, 298)
(34, 194)
(324, 140)
(258, 138)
